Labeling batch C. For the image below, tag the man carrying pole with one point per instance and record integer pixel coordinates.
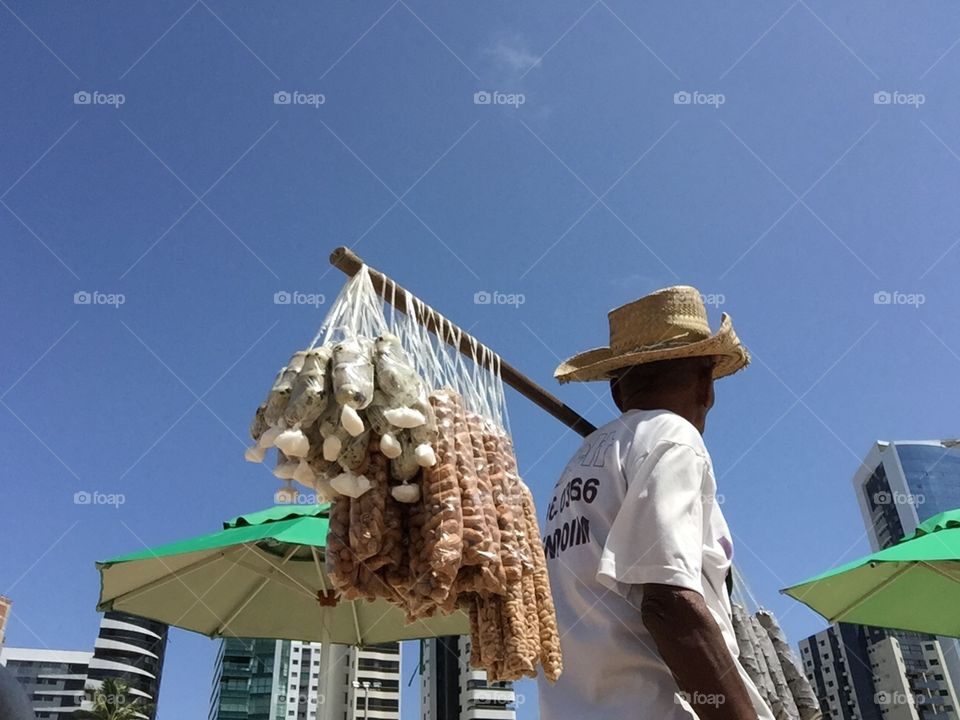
(636, 544)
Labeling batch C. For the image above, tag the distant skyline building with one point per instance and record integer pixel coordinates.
(898, 486)
(866, 673)
(54, 680)
(246, 680)
(283, 679)
(451, 690)
(6, 606)
(127, 647)
(131, 649)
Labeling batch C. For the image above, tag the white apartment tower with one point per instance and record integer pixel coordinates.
(451, 690)
(899, 485)
(868, 673)
(292, 680)
(54, 680)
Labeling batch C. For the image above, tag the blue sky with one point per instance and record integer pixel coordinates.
(786, 188)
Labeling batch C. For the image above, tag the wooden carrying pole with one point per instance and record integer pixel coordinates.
(349, 262)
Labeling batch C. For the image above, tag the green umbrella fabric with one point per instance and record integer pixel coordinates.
(279, 512)
(260, 577)
(913, 585)
(943, 521)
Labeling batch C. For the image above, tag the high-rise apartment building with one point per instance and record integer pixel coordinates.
(131, 649)
(898, 486)
(283, 679)
(54, 680)
(127, 648)
(452, 690)
(5, 608)
(870, 673)
(867, 673)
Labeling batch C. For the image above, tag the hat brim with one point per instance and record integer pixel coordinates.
(599, 363)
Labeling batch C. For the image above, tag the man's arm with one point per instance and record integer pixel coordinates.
(691, 644)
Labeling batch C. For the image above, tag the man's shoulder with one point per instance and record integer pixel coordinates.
(646, 429)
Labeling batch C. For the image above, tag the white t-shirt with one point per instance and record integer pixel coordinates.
(636, 504)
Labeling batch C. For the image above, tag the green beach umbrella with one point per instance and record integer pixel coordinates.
(262, 576)
(913, 585)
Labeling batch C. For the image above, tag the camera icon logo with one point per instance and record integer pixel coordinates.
(682, 98)
(282, 297)
(882, 97)
(82, 98)
(482, 297)
(81, 497)
(882, 297)
(82, 297)
(482, 97)
(282, 97)
(882, 498)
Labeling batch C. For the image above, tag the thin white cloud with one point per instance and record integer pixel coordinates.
(511, 55)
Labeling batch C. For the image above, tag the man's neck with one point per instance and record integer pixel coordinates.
(671, 404)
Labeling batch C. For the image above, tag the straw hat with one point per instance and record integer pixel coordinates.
(665, 325)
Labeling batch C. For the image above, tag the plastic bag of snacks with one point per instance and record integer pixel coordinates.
(410, 442)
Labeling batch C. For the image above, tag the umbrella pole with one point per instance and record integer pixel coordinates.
(349, 262)
(316, 564)
(356, 622)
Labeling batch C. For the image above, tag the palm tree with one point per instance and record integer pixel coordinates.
(112, 701)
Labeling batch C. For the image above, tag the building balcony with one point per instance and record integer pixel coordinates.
(130, 627)
(488, 714)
